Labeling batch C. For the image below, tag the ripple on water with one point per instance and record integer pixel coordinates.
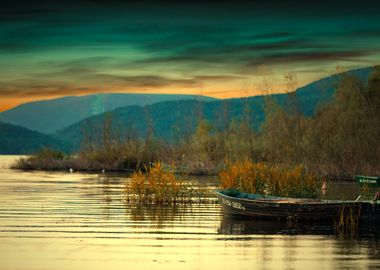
(80, 221)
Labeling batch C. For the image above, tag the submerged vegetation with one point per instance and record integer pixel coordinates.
(338, 141)
(272, 180)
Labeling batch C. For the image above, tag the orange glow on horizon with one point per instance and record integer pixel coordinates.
(12, 102)
(9, 103)
(5, 107)
(217, 91)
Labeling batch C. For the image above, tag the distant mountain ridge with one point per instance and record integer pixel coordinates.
(171, 119)
(19, 140)
(47, 116)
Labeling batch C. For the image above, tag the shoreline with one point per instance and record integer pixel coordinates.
(180, 170)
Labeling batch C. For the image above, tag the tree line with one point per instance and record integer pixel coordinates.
(340, 140)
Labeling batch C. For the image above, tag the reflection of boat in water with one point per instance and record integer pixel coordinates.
(241, 226)
(266, 207)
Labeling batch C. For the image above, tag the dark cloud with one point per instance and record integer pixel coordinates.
(16, 11)
(57, 48)
(274, 35)
(142, 81)
(216, 77)
(12, 10)
(42, 89)
(274, 52)
(364, 33)
(95, 82)
(6, 47)
(307, 57)
(41, 85)
(82, 62)
(278, 5)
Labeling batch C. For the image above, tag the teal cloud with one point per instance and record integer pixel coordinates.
(81, 44)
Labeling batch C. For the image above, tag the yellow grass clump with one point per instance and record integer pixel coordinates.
(261, 178)
(156, 185)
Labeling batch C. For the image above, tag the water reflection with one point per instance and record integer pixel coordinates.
(238, 226)
(156, 214)
(235, 226)
(80, 221)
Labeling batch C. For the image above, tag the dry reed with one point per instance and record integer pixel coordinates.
(158, 186)
(261, 178)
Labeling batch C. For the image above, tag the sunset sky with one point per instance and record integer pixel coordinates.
(50, 49)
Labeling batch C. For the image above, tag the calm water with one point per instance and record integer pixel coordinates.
(80, 221)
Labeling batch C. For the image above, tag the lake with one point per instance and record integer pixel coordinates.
(81, 221)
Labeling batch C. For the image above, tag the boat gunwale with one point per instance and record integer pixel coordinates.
(285, 200)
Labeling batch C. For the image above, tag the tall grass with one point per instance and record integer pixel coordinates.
(156, 185)
(273, 180)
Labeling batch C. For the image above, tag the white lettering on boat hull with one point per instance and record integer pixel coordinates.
(232, 204)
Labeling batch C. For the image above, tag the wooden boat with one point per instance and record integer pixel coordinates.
(257, 206)
(368, 180)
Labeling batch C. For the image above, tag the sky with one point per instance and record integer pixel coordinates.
(50, 49)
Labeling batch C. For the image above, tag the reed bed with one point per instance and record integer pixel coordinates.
(261, 178)
(158, 185)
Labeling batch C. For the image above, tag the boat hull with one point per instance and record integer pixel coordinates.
(294, 209)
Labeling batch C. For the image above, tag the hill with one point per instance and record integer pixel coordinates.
(172, 119)
(47, 116)
(19, 140)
